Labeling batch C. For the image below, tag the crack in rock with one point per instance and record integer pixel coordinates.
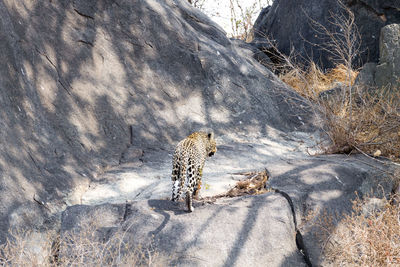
(83, 15)
(299, 238)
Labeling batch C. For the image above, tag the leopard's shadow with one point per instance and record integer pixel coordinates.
(178, 208)
(163, 207)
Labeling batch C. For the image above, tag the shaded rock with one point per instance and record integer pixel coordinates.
(152, 178)
(334, 93)
(396, 192)
(289, 24)
(27, 214)
(261, 19)
(105, 216)
(257, 51)
(85, 8)
(131, 154)
(388, 70)
(386, 74)
(373, 205)
(84, 80)
(380, 188)
(366, 77)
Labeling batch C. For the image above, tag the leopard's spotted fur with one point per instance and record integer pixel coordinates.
(188, 162)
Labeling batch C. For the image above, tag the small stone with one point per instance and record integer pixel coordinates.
(377, 153)
(373, 205)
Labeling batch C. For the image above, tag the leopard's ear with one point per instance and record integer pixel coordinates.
(210, 135)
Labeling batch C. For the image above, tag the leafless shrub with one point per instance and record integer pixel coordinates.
(241, 19)
(343, 44)
(355, 121)
(242, 16)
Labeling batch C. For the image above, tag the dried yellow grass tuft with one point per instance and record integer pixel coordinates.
(314, 81)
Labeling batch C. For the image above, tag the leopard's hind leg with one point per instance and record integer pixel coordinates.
(179, 183)
(175, 177)
(198, 182)
(178, 178)
(192, 185)
(189, 200)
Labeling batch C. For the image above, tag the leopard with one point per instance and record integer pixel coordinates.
(188, 163)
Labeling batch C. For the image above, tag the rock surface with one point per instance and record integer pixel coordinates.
(289, 24)
(366, 77)
(149, 176)
(388, 70)
(334, 93)
(386, 74)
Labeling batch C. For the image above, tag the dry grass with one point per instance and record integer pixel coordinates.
(83, 246)
(20, 249)
(354, 119)
(313, 81)
(365, 240)
(87, 244)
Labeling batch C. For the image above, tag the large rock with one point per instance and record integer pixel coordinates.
(386, 74)
(366, 77)
(388, 70)
(80, 81)
(255, 230)
(289, 23)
